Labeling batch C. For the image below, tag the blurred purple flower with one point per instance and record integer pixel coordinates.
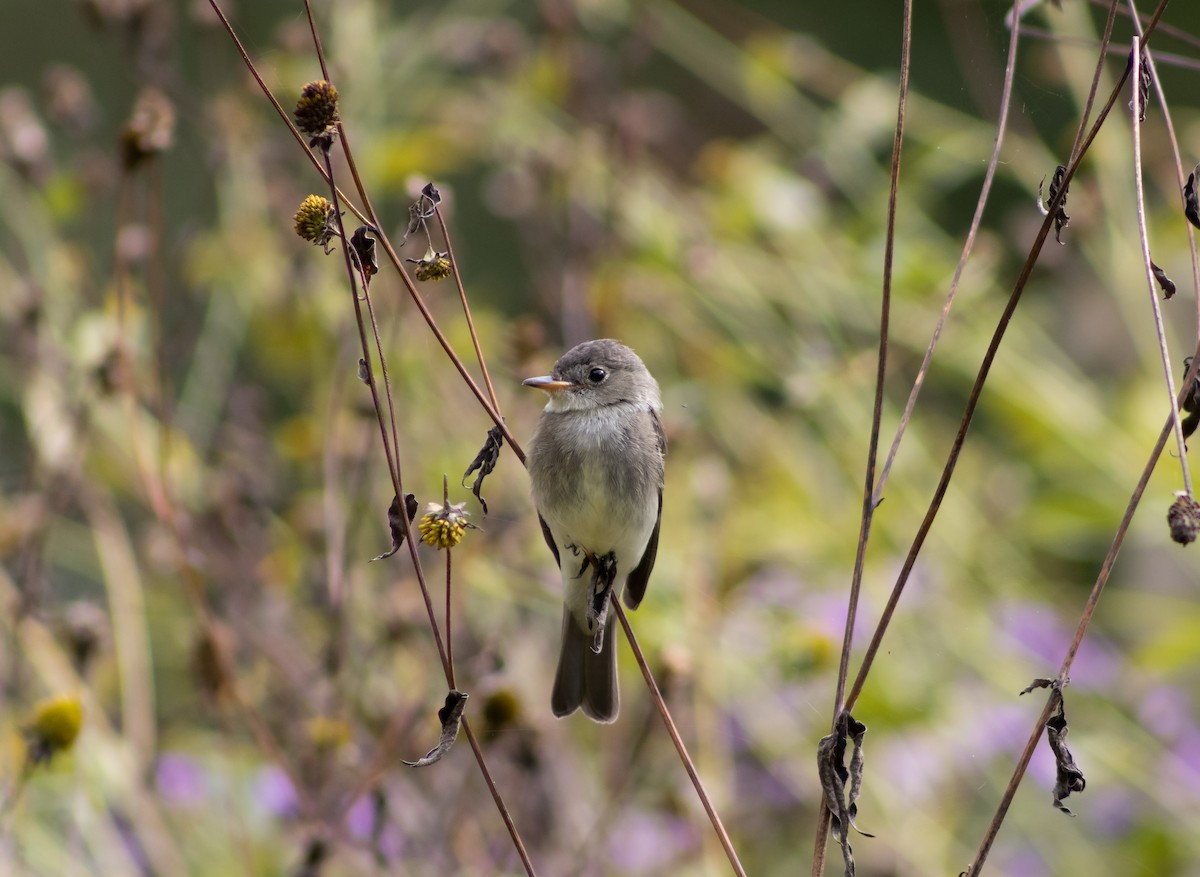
(180, 780)
(274, 791)
(1113, 811)
(1040, 631)
(643, 842)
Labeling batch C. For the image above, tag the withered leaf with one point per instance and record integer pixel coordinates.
(1167, 284)
(431, 192)
(1191, 402)
(1040, 682)
(1069, 778)
(485, 461)
(396, 523)
(362, 248)
(1061, 220)
(1191, 204)
(450, 715)
(833, 773)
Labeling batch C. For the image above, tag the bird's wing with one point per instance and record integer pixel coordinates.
(635, 584)
(549, 537)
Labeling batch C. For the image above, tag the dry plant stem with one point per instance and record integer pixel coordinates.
(371, 218)
(449, 629)
(673, 732)
(278, 107)
(869, 490)
(968, 246)
(1180, 176)
(1136, 105)
(1089, 610)
(384, 753)
(462, 295)
(981, 377)
(1105, 40)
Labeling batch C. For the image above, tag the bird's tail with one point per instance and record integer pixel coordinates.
(585, 678)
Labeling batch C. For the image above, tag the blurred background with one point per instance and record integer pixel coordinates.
(191, 483)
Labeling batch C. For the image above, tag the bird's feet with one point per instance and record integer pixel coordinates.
(605, 576)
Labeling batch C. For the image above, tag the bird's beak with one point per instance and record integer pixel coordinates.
(547, 383)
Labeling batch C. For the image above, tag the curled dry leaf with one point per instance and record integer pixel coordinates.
(396, 523)
(450, 715)
(485, 461)
(1191, 402)
(834, 773)
(362, 248)
(1061, 220)
(1167, 284)
(1191, 205)
(1040, 682)
(1069, 777)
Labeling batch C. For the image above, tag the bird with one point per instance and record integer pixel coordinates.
(596, 468)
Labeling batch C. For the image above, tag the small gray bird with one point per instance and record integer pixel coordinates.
(596, 465)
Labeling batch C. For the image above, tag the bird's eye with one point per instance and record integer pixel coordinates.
(597, 375)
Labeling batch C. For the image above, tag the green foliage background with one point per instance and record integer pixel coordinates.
(708, 182)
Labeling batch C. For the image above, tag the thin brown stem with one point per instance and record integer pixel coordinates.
(462, 295)
(673, 732)
(1180, 176)
(869, 502)
(287, 120)
(981, 377)
(1140, 200)
(976, 220)
(1089, 610)
(449, 628)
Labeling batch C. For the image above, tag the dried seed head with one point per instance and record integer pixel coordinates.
(1184, 519)
(317, 109)
(314, 220)
(443, 524)
(150, 129)
(54, 727)
(433, 266)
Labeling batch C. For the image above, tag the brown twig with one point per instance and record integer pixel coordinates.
(673, 732)
(869, 489)
(1143, 237)
(981, 377)
(462, 295)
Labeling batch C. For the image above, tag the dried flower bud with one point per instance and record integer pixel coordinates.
(150, 129)
(433, 266)
(443, 525)
(314, 220)
(1184, 519)
(317, 109)
(212, 661)
(54, 727)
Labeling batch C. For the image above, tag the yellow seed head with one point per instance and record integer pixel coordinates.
(55, 725)
(314, 220)
(443, 525)
(435, 266)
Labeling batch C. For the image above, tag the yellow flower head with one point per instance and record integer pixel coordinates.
(55, 725)
(314, 220)
(433, 266)
(443, 524)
